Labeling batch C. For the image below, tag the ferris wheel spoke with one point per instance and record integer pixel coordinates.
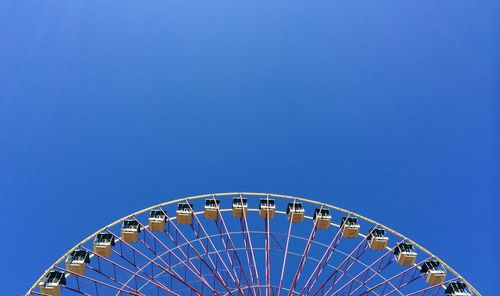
(247, 240)
(397, 281)
(98, 282)
(165, 267)
(113, 279)
(376, 272)
(343, 267)
(355, 255)
(285, 254)
(151, 279)
(134, 264)
(387, 282)
(323, 262)
(268, 254)
(214, 268)
(365, 275)
(333, 275)
(205, 249)
(201, 258)
(303, 259)
(149, 262)
(193, 269)
(438, 287)
(227, 240)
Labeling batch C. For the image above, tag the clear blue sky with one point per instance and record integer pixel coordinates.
(387, 108)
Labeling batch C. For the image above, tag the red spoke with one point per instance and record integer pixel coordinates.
(217, 253)
(303, 259)
(172, 273)
(153, 282)
(230, 240)
(250, 255)
(286, 253)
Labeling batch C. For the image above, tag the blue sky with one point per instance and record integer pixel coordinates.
(387, 108)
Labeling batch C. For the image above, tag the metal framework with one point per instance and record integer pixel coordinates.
(250, 251)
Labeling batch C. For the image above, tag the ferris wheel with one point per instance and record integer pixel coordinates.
(248, 244)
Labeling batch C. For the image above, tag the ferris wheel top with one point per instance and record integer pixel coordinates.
(267, 205)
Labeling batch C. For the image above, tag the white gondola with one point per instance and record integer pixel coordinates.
(267, 208)
(156, 220)
(434, 275)
(51, 285)
(404, 254)
(322, 218)
(295, 212)
(77, 260)
(184, 213)
(377, 238)
(240, 207)
(211, 211)
(130, 230)
(103, 243)
(457, 289)
(350, 227)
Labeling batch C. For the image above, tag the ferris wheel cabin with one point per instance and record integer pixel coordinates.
(211, 209)
(156, 220)
(184, 213)
(77, 260)
(434, 273)
(51, 285)
(322, 217)
(130, 230)
(457, 289)
(295, 212)
(240, 207)
(103, 243)
(350, 227)
(267, 208)
(405, 254)
(377, 238)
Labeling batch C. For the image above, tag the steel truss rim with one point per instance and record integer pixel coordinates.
(262, 195)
